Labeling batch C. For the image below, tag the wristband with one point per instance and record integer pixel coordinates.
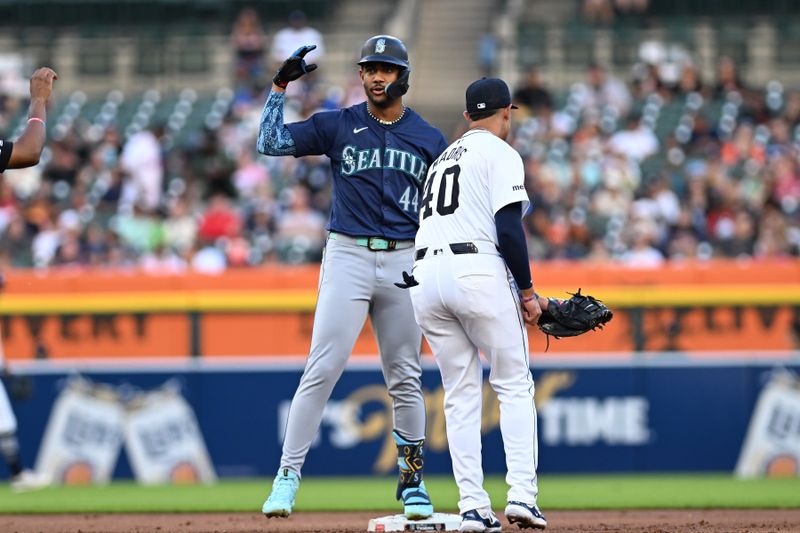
(37, 119)
(526, 300)
(279, 82)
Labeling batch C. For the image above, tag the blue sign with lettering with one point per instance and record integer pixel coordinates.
(629, 417)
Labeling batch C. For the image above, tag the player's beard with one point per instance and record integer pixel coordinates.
(380, 102)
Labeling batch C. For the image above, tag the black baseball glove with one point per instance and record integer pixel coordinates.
(294, 67)
(568, 318)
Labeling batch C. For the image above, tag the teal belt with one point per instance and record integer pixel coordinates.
(376, 244)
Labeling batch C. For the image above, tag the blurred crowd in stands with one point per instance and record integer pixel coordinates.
(661, 166)
(648, 171)
(605, 11)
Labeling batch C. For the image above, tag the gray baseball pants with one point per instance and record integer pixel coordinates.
(356, 282)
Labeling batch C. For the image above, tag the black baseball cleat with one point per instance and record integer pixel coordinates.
(525, 516)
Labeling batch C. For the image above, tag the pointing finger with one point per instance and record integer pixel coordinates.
(303, 50)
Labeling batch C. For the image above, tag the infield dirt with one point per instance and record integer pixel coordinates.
(716, 521)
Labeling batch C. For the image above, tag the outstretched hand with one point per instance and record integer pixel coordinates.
(294, 67)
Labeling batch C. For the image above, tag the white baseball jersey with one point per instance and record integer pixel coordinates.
(469, 182)
(467, 306)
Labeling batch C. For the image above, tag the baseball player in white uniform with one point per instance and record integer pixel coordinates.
(21, 479)
(470, 239)
(24, 152)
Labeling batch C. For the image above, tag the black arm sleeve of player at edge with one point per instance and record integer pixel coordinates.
(5, 154)
(513, 247)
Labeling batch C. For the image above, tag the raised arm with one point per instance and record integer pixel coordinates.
(29, 146)
(274, 137)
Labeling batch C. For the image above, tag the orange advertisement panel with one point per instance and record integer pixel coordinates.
(70, 336)
(685, 330)
(268, 334)
(682, 307)
(661, 330)
(258, 334)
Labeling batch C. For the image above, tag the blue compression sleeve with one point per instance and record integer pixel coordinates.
(513, 247)
(274, 137)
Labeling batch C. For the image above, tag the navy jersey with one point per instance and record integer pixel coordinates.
(5, 153)
(378, 171)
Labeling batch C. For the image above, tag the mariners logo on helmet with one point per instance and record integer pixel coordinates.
(384, 49)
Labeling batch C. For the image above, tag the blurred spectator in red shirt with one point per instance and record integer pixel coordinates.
(220, 220)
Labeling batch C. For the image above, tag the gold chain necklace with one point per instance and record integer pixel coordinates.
(387, 122)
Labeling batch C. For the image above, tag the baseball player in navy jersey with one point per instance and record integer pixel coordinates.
(25, 152)
(380, 151)
(470, 238)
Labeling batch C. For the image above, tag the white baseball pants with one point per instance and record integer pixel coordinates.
(8, 422)
(465, 304)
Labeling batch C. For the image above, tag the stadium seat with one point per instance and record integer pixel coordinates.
(192, 48)
(733, 40)
(578, 43)
(532, 44)
(788, 39)
(627, 39)
(668, 119)
(95, 52)
(150, 47)
(680, 30)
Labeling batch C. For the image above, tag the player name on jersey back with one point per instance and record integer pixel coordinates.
(450, 154)
(467, 184)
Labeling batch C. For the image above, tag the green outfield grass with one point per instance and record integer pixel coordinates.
(377, 494)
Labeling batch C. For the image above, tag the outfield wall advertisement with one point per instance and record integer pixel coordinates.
(91, 422)
(680, 307)
(772, 446)
(658, 414)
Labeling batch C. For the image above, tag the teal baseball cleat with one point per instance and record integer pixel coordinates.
(410, 486)
(281, 499)
(416, 502)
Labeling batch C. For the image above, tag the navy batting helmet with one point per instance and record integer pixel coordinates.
(384, 49)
